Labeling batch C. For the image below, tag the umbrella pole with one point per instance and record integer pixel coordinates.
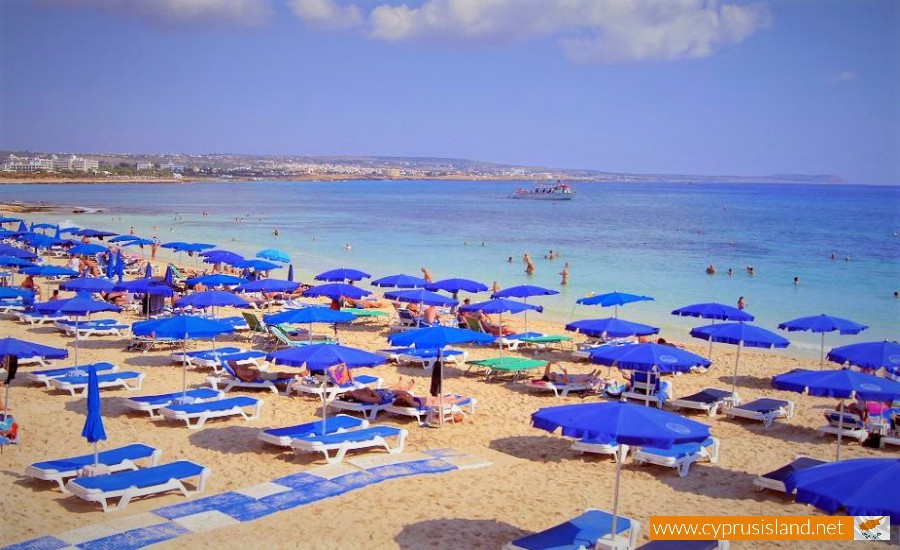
(737, 361)
(619, 460)
(822, 356)
(6, 401)
(647, 387)
(709, 354)
(440, 365)
(76, 340)
(96, 458)
(526, 315)
(184, 362)
(837, 457)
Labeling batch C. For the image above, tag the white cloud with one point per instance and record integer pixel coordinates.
(588, 31)
(239, 12)
(843, 76)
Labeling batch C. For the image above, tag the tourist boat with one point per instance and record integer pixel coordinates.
(556, 192)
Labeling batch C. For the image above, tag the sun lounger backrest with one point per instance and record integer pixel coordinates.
(850, 420)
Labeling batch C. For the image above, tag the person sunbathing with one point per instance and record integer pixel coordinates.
(371, 303)
(490, 327)
(398, 394)
(248, 372)
(565, 378)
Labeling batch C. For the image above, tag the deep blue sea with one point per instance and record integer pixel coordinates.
(651, 239)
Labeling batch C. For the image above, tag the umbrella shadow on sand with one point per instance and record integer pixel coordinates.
(746, 381)
(535, 448)
(448, 533)
(227, 439)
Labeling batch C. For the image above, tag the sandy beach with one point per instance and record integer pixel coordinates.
(534, 480)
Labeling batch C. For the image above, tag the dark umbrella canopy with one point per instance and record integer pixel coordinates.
(146, 286)
(822, 324)
(861, 486)
(401, 281)
(87, 249)
(342, 274)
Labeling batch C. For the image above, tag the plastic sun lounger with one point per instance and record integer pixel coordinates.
(152, 403)
(201, 412)
(562, 389)
(507, 365)
(851, 425)
(214, 360)
(44, 376)
(367, 410)
(86, 329)
(765, 410)
(596, 446)
(282, 437)
(545, 340)
(453, 403)
(581, 532)
(122, 379)
(147, 481)
(237, 323)
(231, 381)
(180, 356)
(36, 318)
(122, 458)
(680, 456)
(340, 443)
(685, 545)
(774, 480)
(312, 386)
(428, 357)
(708, 400)
(35, 359)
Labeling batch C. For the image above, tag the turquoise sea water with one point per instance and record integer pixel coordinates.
(652, 239)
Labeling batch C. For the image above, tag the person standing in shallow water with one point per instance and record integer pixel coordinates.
(741, 303)
(565, 275)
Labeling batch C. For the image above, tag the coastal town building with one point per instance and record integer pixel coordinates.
(24, 164)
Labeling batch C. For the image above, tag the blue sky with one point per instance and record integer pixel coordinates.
(651, 86)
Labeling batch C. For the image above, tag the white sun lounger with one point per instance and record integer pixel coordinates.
(127, 380)
(122, 458)
(367, 410)
(44, 376)
(86, 329)
(201, 412)
(679, 456)
(282, 437)
(764, 410)
(774, 480)
(851, 425)
(312, 386)
(138, 483)
(38, 318)
(561, 389)
(426, 358)
(340, 443)
(152, 403)
(600, 447)
(707, 400)
(583, 531)
(453, 403)
(180, 356)
(231, 381)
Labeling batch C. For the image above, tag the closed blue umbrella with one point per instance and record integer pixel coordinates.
(335, 291)
(401, 281)
(169, 276)
(614, 299)
(869, 355)
(88, 284)
(714, 311)
(342, 274)
(420, 296)
(740, 334)
(184, 328)
(111, 268)
(842, 384)
(148, 273)
(621, 424)
(290, 275)
(217, 279)
(120, 266)
(75, 307)
(861, 486)
(823, 323)
(611, 327)
(87, 249)
(275, 255)
(22, 227)
(649, 357)
(93, 429)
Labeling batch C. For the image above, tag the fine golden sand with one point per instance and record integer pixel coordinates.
(533, 482)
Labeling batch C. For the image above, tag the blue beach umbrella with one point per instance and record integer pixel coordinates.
(714, 311)
(318, 357)
(123, 238)
(842, 384)
(823, 323)
(148, 272)
(22, 227)
(217, 279)
(268, 285)
(93, 429)
(611, 327)
(8, 219)
(14, 292)
(88, 284)
(614, 299)
(87, 249)
(310, 315)
(169, 276)
(174, 245)
(137, 241)
(740, 334)
(211, 298)
(12, 261)
(457, 285)
(13, 347)
(49, 271)
(620, 424)
(146, 285)
(69, 230)
(652, 358)
(257, 265)
(184, 328)
(869, 355)
(9, 250)
(94, 233)
(524, 292)
(275, 255)
(342, 274)
(400, 281)
(75, 307)
(221, 257)
(335, 291)
(420, 296)
(500, 306)
(861, 486)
